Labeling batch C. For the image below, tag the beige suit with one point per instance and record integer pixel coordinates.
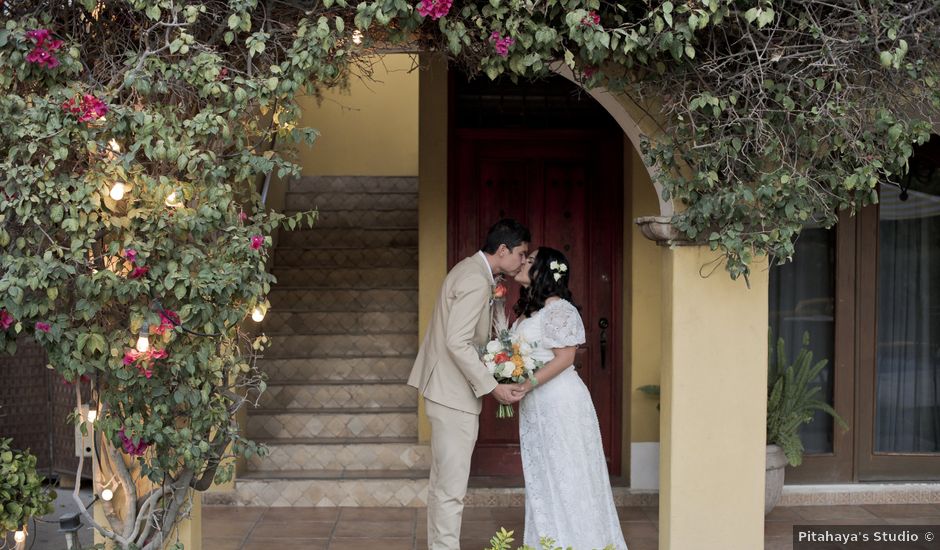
(450, 375)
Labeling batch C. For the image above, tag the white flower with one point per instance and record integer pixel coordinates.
(491, 367)
(528, 363)
(494, 346)
(562, 267)
(524, 348)
(557, 276)
(553, 266)
(505, 370)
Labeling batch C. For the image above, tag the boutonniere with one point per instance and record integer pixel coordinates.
(499, 292)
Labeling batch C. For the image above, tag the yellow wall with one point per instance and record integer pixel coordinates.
(714, 402)
(370, 129)
(645, 302)
(432, 199)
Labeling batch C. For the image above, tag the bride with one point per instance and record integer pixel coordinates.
(567, 489)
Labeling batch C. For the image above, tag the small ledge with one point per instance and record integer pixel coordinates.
(660, 230)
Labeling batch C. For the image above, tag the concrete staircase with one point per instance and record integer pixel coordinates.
(338, 417)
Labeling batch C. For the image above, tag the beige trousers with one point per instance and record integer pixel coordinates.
(453, 435)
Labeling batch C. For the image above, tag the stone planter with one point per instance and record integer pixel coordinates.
(773, 485)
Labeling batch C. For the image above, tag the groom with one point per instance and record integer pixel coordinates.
(453, 380)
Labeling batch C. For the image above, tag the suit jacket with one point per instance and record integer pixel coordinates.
(448, 369)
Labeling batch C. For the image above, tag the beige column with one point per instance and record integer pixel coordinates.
(714, 394)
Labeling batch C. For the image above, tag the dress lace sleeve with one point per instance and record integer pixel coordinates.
(562, 326)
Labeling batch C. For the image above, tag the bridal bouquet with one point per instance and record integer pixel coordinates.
(509, 359)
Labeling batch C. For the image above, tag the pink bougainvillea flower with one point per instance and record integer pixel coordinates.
(222, 74)
(591, 19)
(88, 109)
(589, 71)
(168, 320)
(44, 327)
(145, 370)
(6, 320)
(159, 354)
(131, 356)
(54, 45)
(130, 255)
(257, 241)
(434, 8)
(242, 216)
(39, 36)
(131, 448)
(138, 272)
(500, 44)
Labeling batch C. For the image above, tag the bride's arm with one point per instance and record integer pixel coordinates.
(564, 358)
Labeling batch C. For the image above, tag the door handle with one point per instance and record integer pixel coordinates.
(603, 323)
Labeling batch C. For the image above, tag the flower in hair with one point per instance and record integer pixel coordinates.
(558, 269)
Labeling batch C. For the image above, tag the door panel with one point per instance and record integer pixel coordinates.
(566, 186)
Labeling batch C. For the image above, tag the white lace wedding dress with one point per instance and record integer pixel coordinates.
(567, 488)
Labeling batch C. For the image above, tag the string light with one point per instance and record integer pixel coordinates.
(115, 146)
(143, 340)
(19, 536)
(107, 495)
(257, 314)
(117, 191)
(357, 36)
(92, 415)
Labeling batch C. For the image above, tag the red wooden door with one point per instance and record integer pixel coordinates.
(567, 187)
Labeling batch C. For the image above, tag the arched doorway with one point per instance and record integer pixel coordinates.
(547, 154)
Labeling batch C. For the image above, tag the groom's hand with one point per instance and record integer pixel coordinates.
(507, 394)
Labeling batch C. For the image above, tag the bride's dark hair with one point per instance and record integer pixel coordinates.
(542, 282)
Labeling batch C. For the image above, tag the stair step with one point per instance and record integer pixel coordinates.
(292, 299)
(381, 277)
(354, 184)
(376, 237)
(343, 345)
(381, 492)
(358, 396)
(280, 423)
(343, 369)
(339, 322)
(345, 258)
(365, 218)
(287, 455)
(365, 203)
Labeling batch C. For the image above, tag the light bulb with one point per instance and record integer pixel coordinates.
(19, 536)
(117, 191)
(257, 314)
(357, 36)
(143, 342)
(107, 495)
(115, 146)
(92, 415)
(172, 200)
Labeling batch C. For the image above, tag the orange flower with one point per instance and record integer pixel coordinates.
(500, 291)
(518, 371)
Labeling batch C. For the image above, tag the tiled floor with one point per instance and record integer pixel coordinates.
(226, 528)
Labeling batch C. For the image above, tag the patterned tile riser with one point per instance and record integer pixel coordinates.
(357, 456)
(378, 424)
(347, 258)
(338, 396)
(339, 322)
(342, 345)
(353, 184)
(376, 278)
(343, 300)
(348, 369)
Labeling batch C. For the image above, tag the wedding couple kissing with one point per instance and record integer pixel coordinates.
(568, 495)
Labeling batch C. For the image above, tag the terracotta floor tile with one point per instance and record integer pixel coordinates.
(377, 514)
(372, 544)
(642, 543)
(632, 513)
(374, 529)
(779, 529)
(300, 514)
(914, 521)
(900, 511)
(293, 529)
(784, 513)
(639, 530)
(226, 527)
(828, 513)
(247, 513)
(222, 543)
(261, 543)
(777, 543)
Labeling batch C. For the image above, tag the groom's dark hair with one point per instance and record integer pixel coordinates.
(506, 231)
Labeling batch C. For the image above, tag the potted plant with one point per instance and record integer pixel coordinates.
(22, 494)
(793, 397)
